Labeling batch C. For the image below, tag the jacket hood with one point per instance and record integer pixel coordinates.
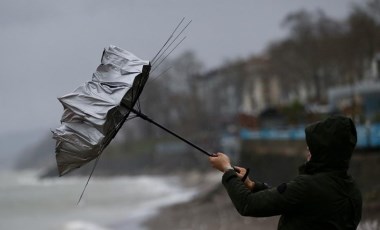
(331, 143)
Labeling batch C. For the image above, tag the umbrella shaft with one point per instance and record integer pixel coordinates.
(143, 116)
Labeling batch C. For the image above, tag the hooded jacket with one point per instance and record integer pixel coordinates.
(323, 196)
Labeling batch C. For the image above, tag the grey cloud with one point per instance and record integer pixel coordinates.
(25, 12)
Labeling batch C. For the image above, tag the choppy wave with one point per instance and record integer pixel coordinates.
(109, 203)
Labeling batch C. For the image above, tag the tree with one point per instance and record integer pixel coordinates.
(322, 52)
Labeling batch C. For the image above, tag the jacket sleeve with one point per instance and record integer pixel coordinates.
(268, 202)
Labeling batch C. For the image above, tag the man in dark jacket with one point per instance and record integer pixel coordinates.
(324, 196)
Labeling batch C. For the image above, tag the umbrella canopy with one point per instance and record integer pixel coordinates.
(95, 111)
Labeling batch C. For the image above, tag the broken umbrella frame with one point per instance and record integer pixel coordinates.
(94, 113)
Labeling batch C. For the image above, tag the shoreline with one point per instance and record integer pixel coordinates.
(189, 186)
(211, 208)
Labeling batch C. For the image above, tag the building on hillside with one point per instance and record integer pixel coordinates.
(261, 88)
(246, 87)
(223, 91)
(362, 99)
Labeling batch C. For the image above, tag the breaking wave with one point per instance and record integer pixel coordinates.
(109, 203)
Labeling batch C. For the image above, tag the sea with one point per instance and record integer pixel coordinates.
(109, 203)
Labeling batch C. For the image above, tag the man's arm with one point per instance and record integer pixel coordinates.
(268, 202)
(259, 201)
(222, 163)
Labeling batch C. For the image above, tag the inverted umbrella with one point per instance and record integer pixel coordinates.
(96, 111)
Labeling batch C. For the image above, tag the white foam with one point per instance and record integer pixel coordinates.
(123, 201)
(369, 225)
(82, 225)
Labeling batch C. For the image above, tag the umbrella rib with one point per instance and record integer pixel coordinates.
(175, 39)
(88, 180)
(168, 39)
(95, 164)
(167, 55)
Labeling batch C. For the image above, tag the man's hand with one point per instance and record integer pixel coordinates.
(220, 161)
(241, 172)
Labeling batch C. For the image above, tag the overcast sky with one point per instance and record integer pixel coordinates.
(48, 48)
